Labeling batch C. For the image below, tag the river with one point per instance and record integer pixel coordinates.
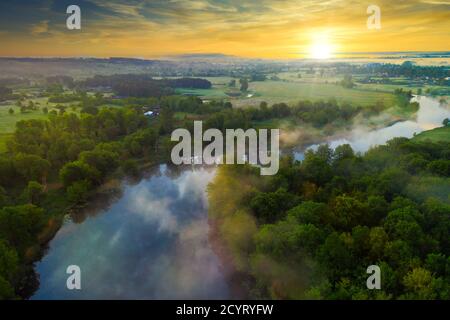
(429, 116)
(153, 242)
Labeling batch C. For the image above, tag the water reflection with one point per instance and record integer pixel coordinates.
(150, 244)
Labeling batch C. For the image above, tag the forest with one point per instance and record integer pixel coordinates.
(311, 231)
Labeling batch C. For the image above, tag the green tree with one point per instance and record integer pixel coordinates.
(20, 225)
(78, 192)
(103, 160)
(34, 192)
(9, 266)
(32, 167)
(347, 82)
(78, 171)
(166, 120)
(244, 84)
(419, 284)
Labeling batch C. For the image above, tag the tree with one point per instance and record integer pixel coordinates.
(3, 197)
(166, 120)
(244, 84)
(32, 167)
(269, 206)
(446, 122)
(348, 212)
(11, 111)
(78, 171)
(78, 191)
(130, 167)
(9, 262)
(103, 160)
(20, 225)
(440, 167)
(419, 284)
(34, 192)
(347, 82)
(335, 257)
(308, 212)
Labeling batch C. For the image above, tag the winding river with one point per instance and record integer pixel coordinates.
(429, 116)
(153, 242)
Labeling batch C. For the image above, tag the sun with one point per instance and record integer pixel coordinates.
(320, 50)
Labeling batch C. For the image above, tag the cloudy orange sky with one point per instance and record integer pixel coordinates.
(259, 28)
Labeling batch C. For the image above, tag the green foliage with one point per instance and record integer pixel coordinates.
(78, 191)
(130, 167)
(78, 171)
(34, 192)
(20, 225)
(342, 212)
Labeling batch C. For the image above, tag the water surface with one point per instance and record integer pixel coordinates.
(429, 116)
(150, 244)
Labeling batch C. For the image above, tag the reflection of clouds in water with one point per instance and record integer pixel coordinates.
(191, 270)
(194, 185)
(162, 209)
(156, 210)
(151, 244)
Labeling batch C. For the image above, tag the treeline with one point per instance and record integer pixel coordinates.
(78, 152)
(136, 85)
(407, 69)
(319, 114)
(312, 230)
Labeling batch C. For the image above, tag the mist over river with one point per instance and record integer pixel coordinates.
(429, 116)
(150, 244)
(153, 242)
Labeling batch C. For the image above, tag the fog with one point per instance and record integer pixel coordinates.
(430, 115)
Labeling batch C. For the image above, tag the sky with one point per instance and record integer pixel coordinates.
(257, 28)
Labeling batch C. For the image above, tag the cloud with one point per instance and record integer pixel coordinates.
(40, 28)
(155, 209)
(264, 28)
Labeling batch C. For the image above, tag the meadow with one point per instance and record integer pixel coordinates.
(435, 135)
(8, 121)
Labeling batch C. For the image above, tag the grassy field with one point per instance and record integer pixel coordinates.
(293, 89)
(438, 134)
(8, 121)
(291, 92)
